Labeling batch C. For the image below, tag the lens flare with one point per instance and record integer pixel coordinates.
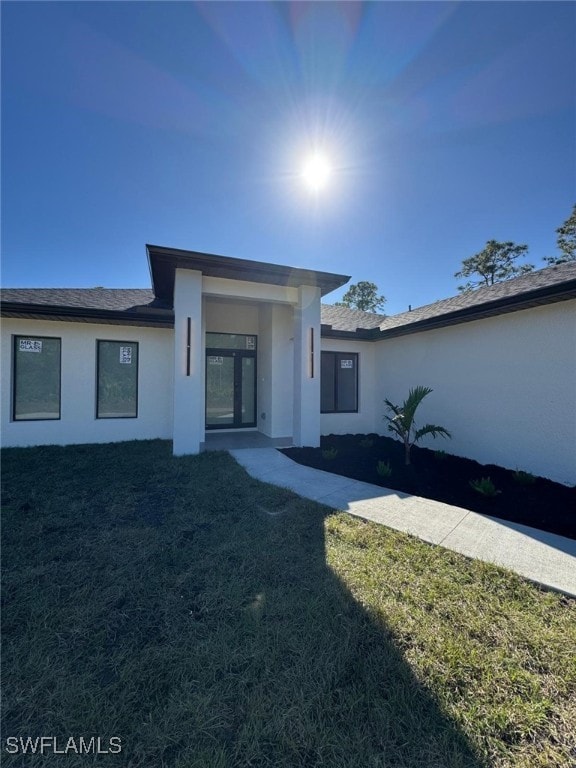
(316, 172)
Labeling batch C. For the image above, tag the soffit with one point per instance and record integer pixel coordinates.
(163, 263)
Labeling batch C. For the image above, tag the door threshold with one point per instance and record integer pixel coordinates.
(243, 439)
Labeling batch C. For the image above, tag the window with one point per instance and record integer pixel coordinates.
(339, 382)
(36, 393)
(117, 385)
(230, 341)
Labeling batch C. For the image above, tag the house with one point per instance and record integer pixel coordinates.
(225, 344)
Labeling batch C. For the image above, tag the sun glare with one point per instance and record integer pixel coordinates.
(316, 172)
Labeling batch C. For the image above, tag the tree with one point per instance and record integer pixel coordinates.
(402, 422)
(566, 242)
(494, 264)
(364, 296)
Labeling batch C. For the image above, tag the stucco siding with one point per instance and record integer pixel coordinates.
(231, 317)
(245, 290)
(275, 362)
(504, 386)
(364, 420)
(78, 422)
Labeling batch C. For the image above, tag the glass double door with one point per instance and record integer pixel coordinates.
(230, 389)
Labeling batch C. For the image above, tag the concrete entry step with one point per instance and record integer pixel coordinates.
(229, 441)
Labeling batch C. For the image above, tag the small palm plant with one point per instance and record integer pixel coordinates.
(524, 478)
(384, 469)
(402, 422)
(485, 486)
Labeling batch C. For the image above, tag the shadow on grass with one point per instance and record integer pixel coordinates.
(189, 610)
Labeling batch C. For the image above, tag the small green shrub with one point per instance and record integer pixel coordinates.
(329, 453)
(384, 469)
(402, 422)
(440, 455)
(524, 478)
(366, 442)
(485, 486)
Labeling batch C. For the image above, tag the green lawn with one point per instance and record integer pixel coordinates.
(209, 620)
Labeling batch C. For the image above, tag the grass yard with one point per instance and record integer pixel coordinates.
(209, 620)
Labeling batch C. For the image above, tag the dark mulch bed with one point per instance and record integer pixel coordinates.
(542, 504)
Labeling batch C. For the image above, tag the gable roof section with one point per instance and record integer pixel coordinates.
(164, 262)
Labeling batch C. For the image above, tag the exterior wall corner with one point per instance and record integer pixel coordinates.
(189, 395)
(306, 400)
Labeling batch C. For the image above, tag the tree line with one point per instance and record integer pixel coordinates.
(495, 263)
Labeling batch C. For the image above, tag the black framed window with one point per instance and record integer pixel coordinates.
(117, 380)
(231, 341)
(36, 382)
(339, 382)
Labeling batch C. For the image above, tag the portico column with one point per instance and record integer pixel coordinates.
(188, 430)
(306, 419)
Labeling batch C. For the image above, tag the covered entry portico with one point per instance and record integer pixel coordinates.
(246, 346)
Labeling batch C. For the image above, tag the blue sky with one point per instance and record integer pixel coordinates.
(186, 124)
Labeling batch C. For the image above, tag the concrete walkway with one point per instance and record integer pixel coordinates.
(542, 557)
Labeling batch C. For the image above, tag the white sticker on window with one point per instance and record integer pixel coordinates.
(30, 345)
(346, 364)
(215, 360)
(126, 355)
(250, 342)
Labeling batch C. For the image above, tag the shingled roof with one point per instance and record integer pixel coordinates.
(544, 286)
(344, 319)
(118, 299)
(132, 306)
(139, 306)
(134, 303)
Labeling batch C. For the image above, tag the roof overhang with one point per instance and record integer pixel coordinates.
(163, 316)
(538, 297)
(154, 319)
(164, 262)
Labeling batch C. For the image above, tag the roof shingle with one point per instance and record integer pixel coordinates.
(508, 289)
(345, 319)
(114, 299)
(142, 303)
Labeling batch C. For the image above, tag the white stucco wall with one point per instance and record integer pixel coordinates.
(363, 421)
(188, 430)
(505, 387)
(246, 290)
(275, 370)
(265, 389)
(231, 317)
(307, 345)
(78, 422)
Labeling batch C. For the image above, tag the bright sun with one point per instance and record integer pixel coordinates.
(316, 172)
